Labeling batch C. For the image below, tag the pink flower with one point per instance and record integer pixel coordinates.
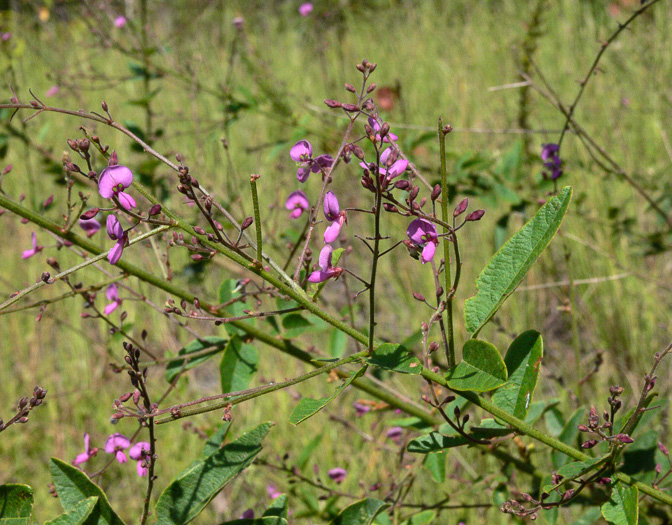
(116, 444)
(301, 153)
(272, 491)
(338, 474)
(334, 215)
(326, 270)
(6, 36)
(120, 21)
(113, 295)
(90, 226)
(395, 434)
(360, 408)
(422, 232)
(36, 249)
(87, 454)
(112, 183)
(52, 91)
(390, 137)
(116, 233)
(297, 202)
(138, 453)
(306, 9)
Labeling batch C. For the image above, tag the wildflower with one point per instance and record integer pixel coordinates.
(87, 454)
(112, 183)
(36, 249)
(396, 168)
(120, 21)
(238, 22)
(360, 408)
(247, 515)
(549, 154)
(390, 137)
(112, 294)
(116, 233)
(306, 9)
(90, 226)
(116, 444)
(422, 232)
(302, 153)
(6, 36)
(52, 91)
(338, 474)
(326, 269)
(138, 452)
(272, 491)
(395, 434)
(297, 202)
(334, 215)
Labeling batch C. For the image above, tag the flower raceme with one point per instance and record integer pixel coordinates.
(327, 270)
(297, 202)
(112, 183)
(302, 153)
(424, 233)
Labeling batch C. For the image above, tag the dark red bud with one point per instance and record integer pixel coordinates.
(372, 67)
(45, 277)
(113, 159)
(475, 215)
(384, 129)
(624, 438)
(84, 145)
(447, 129)
(414, 193)
(436, 192)
(73, 145)
(589, 444)
(332, 103)
(199, 230)
(246, 223)
(419, 297)
(350, 108)
(583, 428)
(155, 210)
(357, 151)
(390, 207)
(461, 208)
(104, 105)
(402, 184)
(350, 88)
(90, 214)
(371, 88)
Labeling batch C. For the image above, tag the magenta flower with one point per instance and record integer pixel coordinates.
(116, 444)
(395, 434)
(112, 294)
(297, 202)
(87, 454)
(138, 453)
(360, 408)
(52, 91)
(112, 183)
(116, 233)
(338, 474)
(301, 153)
(36, 249)
(306, 9)
(6, 36)
(272, 491)
(90, 226)
(247, 515)
(549, 154)
(423, 232)
(331, 208)
(390, 137)
(326, 270)
(120, 21)
(397, 168)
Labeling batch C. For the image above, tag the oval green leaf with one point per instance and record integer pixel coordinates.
(238, 365)
(508, 266)
(482, 368)
(523, 362)
(78, 515)
(622, 507)
(16, 501)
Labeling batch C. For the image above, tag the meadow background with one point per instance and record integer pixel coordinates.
(200, 81)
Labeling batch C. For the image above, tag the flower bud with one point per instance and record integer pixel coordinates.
(199, 230)
(73, 145)
(372, 67)
(418, 297)
(371, 88)
(663, 448)
(436, 192)
(350, 108)
(402, 184)
(390, 207)
(357, 151)
(246, 223)
(461, 208)
(475, 215)
(84, 145)
(414, 193)
(384, 129)
(332, 103)
(589, 444)
(45, 277)
(196, 257)
(104, 105)
(155, 210)
(624, 438)
(90, 214)
(350, 88)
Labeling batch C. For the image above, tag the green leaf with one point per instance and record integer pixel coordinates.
(230, 289)
(361, 512)
(16, 501)
(239, 364)
(278, 508)
(338, 342)
(308, 407)
(215, 441)
(481, 369)
(73, 487)
(523, 361)
(508, 266)
(574, 470)
(396, 358)
(435, 441)
(568, 437)
(435, 462)
(216, 343)
(189, 493)
(421, 518)
(622, 507)
(294, 324)
(538, 409)
(78, 515)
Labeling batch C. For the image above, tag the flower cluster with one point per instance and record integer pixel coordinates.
(116, 444)
(302, 154)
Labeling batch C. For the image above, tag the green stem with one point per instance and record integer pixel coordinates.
(450, 351)
(257, 215)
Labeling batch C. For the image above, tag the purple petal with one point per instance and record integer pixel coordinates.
(112, 292)
(112, 178)
(121, 457)
(306, 9)
(126, 201)
(115, 252)
(420, 230)
(136, 450)
(27, 254)
(90, 226)
(332, 232)
(142, 471)
(247, 515)
(325, 257)
(390, 137)
(114, 229)
(428, 252)
(374, 124)
(81, 458)
(338, 474)
(549, 150)
(331, 208)
(384, 156)
(297, 200)
(302, 173)
(112, 306)
(322, 162)
(301, 151)
(397, 169)
(115, 442)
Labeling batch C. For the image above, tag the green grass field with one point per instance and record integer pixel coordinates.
(261, 90)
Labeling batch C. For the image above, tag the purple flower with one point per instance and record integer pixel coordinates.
(137, 453)
(90, 226)
(272, 491)
(87, 454)
(326, 269)
(338, 474)
(361, 408)
(247, 515)
(396, 169)
(390, 137)
(112, 183)
(331, 208)
(395, 434)
(549, 154)
(36, 249)
(52, 91)
(297, 202)
(112, 294)
(116, 444)
(6, 36)
(423, 232)
(306, 9)
(301, 153)
(116, 233)
(120, 21)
